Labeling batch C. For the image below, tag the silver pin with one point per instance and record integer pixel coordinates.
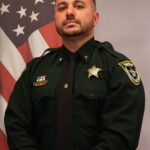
(66, 86)
(60, 59)
(86, 57)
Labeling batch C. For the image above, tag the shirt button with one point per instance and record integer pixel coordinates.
(91, 94)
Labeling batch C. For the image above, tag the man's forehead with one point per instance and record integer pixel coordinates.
(67, 1)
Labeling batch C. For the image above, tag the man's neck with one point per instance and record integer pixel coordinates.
(74, 43)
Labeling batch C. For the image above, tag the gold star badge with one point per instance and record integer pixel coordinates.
(93, 71)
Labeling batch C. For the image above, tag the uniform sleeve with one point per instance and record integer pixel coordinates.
(123, 110)
(19, 118)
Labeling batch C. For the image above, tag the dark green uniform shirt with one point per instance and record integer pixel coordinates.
(107, 101)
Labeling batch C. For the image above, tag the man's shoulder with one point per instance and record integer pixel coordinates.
(107, 49)
(117, 62)
(50, 52)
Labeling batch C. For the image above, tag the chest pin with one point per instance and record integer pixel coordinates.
(94, 71)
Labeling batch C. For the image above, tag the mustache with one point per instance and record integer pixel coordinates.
(70, 20)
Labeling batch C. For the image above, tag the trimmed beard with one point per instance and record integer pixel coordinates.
(81, 32)
(62, 33)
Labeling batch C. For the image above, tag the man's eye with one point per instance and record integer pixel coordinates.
(61, 8)
(79, 6)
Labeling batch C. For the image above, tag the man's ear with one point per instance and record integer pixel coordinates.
(96, 18)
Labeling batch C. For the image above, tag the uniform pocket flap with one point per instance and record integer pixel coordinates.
(41, 92)
(90, 92)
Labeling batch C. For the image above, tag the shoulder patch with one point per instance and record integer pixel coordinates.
(131, 71)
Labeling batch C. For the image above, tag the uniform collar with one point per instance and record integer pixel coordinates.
(84, 51)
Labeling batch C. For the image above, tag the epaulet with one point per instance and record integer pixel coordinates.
(49, 50)
(107, 46)
(34, 62)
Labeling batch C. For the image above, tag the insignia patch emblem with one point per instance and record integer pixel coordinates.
(40, 81)
(131, 71)
(93, 71)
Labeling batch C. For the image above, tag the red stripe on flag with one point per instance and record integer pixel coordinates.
(25, 51)
(6, 82)
(50, 35)
(3, 141)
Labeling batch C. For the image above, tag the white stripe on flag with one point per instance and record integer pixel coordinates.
(37, 43)
(10, 56)
(3, 105)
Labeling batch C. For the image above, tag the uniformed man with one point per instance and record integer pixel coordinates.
(81, 96)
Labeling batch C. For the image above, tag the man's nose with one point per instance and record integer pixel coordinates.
(70, 13)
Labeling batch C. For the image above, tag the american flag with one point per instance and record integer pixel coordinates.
(26, 30)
